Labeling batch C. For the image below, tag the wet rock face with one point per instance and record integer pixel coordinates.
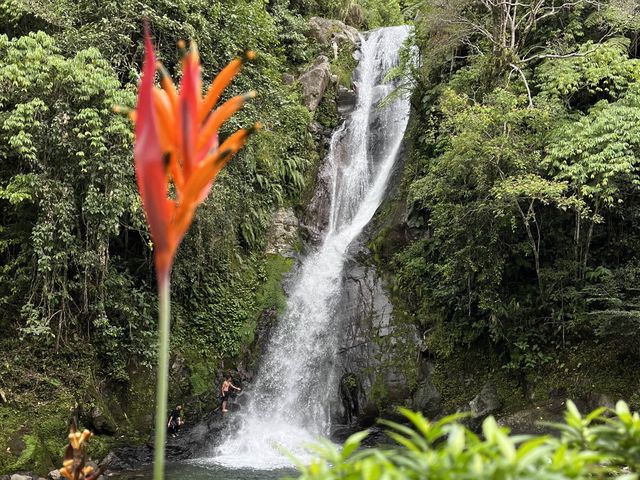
(346, 100)
(316, 218)
(371, 346)
(326, 31)
(191, 441)
(377, 354)
(262, 337)
(315, 81)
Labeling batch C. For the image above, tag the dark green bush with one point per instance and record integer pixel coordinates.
(602, 444)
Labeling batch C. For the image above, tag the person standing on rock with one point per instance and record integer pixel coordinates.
(226, 392)
(175, 421)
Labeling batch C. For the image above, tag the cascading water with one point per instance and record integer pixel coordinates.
(290, 398)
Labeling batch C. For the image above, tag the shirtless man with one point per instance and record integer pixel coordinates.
(226, 392)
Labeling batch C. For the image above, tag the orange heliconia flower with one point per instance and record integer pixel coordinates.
(176, 139)
(74, 466)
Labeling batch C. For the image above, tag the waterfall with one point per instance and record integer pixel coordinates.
(290, 397)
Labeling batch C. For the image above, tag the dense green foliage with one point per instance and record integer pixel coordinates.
(522, 194)
(76, 253)
(522, 184)
(601, 444)
(76, 276)
(362, 14)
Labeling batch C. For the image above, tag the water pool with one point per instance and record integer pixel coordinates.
(203, 469)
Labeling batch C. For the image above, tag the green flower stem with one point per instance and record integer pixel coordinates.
(163, 377)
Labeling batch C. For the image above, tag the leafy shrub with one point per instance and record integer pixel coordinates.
(602, 444)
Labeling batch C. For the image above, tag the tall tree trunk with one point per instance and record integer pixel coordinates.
(533, 242)
(576, 244)
(587, 246)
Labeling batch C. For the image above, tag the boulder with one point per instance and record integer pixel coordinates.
(283, 233)
(128, 458)
(486, 402)
(19, 476)
(100, 423)
(592, 400)
(326, 31)
(315, 81)
(605, 400)
(54, 475)
(113, 462)
(340, 433)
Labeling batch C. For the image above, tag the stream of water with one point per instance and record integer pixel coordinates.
(289, 400)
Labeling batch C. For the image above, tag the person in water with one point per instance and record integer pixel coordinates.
(175, 421)
(226, 392)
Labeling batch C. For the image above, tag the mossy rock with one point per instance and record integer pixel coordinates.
(327, 112)
(344, 65)
(36, 439)
(272, 294)
(139, 407)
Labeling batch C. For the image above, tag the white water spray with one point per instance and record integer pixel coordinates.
(290, 398)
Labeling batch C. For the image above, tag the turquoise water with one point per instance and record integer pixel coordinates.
(195, 470)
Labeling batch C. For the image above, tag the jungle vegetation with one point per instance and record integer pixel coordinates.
(520, 193)
(521, 189)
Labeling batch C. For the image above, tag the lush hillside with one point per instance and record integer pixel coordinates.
(519, 254)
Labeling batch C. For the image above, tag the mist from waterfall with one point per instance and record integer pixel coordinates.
(290, 396)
